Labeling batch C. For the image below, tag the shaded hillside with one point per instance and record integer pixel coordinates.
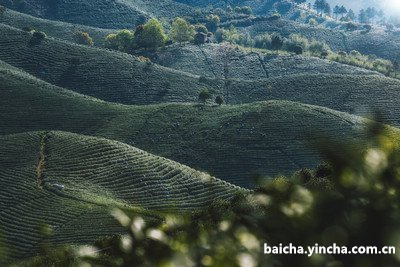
(62, 30)
(224, 61)
(119, 77)
(108, 75)
(231, 142)
(68, 181)
(113, 14)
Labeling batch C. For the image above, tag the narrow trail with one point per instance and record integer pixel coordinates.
(263, 65)
(42, 160)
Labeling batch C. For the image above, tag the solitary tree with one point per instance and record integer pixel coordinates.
(204, 95)
(212, 22)
(151, 35)
(277, 41)
(371, 14)
(219, 100)
(181, 31)
(343, 11)
(83, 38)
(336, 11)
(351, 15)
(362, 16)
(327, 9)
(320, 5)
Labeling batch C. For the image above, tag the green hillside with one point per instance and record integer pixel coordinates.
(108, 75)
(225, 61)
(377, 42)
(233, 142)
(62, 30)
(101, 13)
(119, 77)
(69, 181)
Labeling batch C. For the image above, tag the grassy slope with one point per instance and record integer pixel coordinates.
(378, 42)
(108, 75)
(220, 61)
(62, 30)
(114, 14)
(231, 142)
(97, 174)
(118, 77)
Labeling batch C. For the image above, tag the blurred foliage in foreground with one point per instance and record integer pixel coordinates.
(351, 201)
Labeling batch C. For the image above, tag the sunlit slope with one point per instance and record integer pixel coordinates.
(122, 78)
(68, 181)
(102, 13)
(62, 30)
(231, 142)
(227, 62)
(377, 42)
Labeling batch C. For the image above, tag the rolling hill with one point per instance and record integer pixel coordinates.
(377, 42)
(225, 61)
(105, 74)
(68, 181)
(114, 14)
(122, 78)
(233, 142)
(62, 30)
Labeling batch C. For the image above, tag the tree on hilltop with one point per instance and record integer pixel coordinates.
(204, 95)
(151, 35)
(181, 31)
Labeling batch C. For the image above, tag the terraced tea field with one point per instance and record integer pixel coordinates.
(77, 179)
(58, 29)
(122, 78)
(103, 13)
(377, 42)
(226, 62)
(219, 140)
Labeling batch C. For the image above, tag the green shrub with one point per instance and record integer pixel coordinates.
(204, 95)
(275, 16)
(219, 100)
(181, 31)
(244, 10)
(151, 35)
(83, 38)
(39, 35)
(121, 41)
(355, 53)
(212, 22)
(296, 43)
(200, 28)
(312, 22)
(351, 26)
(317, 48)
(276, 41)
(230, 35)
(263, 41)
